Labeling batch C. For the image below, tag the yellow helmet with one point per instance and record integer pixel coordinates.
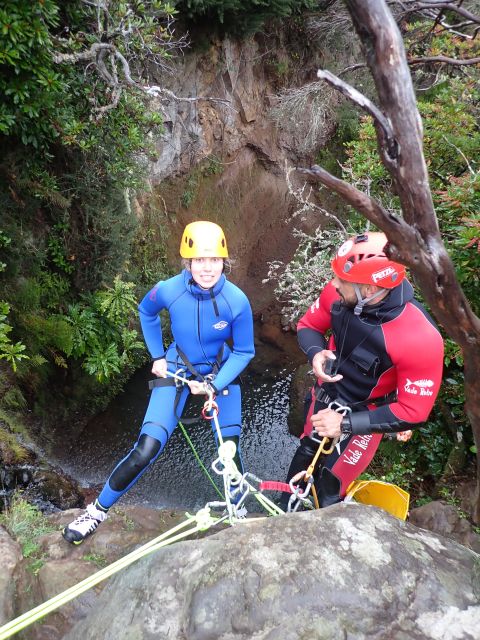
(203, 239)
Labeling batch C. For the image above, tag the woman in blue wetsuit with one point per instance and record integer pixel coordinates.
(206, 311)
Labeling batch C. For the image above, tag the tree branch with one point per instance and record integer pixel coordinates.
(447, 6)
(82, 56)
(444, 60)
(358, 98)
(96, 55)
(392, 225)
(304, 199)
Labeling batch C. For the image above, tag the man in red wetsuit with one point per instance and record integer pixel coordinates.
(385, 357)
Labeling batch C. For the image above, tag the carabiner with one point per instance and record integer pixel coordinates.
(179, 377)
(210, 405)
(339, 407)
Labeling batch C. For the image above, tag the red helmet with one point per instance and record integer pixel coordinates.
(362, 260)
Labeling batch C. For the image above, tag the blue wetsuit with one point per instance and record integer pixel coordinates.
(201, 323)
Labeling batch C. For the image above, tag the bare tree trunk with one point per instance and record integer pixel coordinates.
(414, 239)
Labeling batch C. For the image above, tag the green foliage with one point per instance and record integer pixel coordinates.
(5, 241)
(240, 17)
(84, 328)
(44, 101)
(148, 255)
(10, 351)
(299, 282)
(212, 166)
(334, 154)
(46, 333)
(103, 361)
(14, 399)
(68, 173)
(11, 451)
(452, 147)
(53, 289)
(97, 559)
(26, 524)
(29, 84)
(416, 464)
(117, 302)
(399, 469)
(188, 196)
(101, 333)
(56, 247)
(458, 208)
(67, 166)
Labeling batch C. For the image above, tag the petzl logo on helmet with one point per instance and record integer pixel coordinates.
(220, 325)
(380, 275)
(345, 248)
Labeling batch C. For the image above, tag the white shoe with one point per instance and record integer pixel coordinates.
(84, 525)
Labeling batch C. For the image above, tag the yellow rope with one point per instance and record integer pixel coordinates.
(203, 522)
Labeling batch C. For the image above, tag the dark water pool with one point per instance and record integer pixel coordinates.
(176, 480)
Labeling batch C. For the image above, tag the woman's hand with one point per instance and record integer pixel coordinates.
(196, 388)
(159, 368)
(318, 365)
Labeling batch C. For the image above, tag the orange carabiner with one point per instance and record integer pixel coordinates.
(210, 406)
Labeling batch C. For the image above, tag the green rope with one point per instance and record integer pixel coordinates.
(187, 437)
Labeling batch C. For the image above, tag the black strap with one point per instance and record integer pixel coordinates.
(321, 395)
(161, 382)
(191, 368)
(378, 402)
(170, 382)
(214, 302)
(188, 364)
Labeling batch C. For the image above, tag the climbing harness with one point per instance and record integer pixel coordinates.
(298, 496)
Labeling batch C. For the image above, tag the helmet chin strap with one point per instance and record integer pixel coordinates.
(361, 302)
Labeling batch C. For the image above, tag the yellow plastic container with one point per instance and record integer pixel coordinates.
(380, 494)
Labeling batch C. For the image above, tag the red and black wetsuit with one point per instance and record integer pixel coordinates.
(391, 359)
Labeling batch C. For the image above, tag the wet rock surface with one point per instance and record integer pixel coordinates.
(43, 485)
(346, 571)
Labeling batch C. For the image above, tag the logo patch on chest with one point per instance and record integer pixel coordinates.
(220, 325)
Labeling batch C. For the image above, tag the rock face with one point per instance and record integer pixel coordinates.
(24, 586)
(349, 571)
(224, 158)
(444, 519)
(10, 555)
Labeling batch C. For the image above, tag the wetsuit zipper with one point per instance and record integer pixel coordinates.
(199, 335)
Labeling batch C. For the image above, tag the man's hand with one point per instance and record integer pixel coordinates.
(159, 368)
(318, 365)
(327, 423)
